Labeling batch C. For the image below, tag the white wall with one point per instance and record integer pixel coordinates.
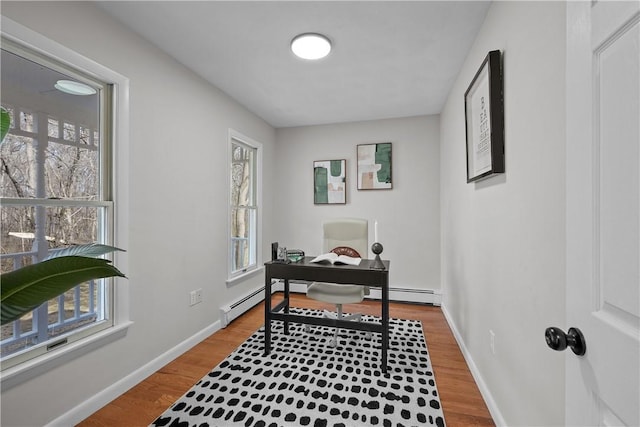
(178, 205)
(408, 214)
(503, 239)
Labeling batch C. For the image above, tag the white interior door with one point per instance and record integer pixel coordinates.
(603, 211)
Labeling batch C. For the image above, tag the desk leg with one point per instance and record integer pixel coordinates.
(385, 324)
(286, 307)
(267, 314)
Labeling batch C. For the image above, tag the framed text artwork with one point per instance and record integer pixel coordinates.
(329, 182)
(374, 166)
(484, 120)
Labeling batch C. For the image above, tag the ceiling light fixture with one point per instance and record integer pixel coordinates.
(311, 46)
(74, 88)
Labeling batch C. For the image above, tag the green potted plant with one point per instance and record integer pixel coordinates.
(26, 288)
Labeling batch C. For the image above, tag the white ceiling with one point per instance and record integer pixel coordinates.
(389, 58)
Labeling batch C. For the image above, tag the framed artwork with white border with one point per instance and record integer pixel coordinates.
(375, 166)
(484, 120)
(330, 182)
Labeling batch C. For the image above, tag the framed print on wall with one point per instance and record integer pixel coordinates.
(374, 166)
(484, 120)
(329, 182)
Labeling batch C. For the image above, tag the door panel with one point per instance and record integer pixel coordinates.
(603, 211)
(616, 139)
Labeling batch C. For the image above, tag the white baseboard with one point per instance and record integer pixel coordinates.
(97, 401)
(498, 419)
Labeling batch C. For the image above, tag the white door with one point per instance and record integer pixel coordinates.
(603, 211)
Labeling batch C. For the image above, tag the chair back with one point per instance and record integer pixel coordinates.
(350, 232)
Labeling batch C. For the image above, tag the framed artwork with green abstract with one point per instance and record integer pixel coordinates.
(374, 166)
(330, 182)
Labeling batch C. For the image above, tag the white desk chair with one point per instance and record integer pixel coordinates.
(344, 236)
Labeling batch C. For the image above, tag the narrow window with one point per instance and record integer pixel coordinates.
(244, 205)
(56, 191)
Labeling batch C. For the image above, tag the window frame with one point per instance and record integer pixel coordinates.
(116, 196)
(103, 203)
(233, 277)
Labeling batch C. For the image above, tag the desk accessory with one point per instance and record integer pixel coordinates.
(295, 255)
(282, 256)
(376, 248)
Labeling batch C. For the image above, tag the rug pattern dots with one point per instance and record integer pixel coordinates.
(304, 382)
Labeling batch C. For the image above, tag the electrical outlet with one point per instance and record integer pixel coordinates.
(492, 341)
(195, 297)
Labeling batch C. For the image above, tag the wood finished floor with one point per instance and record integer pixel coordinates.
(461, 400)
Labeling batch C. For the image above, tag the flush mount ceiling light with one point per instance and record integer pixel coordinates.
(74, 88)
(311, 46)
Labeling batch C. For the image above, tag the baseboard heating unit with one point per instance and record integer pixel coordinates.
(229, 312)
(410, 295)
(234, 310)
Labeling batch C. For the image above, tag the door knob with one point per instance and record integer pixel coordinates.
(558, 340)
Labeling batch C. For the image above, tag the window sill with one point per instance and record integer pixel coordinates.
(241, 277)
(32, 368)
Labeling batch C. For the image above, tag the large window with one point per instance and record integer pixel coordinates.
(56, 191)
(244, 204)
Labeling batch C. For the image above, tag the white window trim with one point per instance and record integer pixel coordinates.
(232, 279)
(246, 275)
(24, 36)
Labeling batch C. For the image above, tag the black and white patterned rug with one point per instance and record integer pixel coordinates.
(304, 382)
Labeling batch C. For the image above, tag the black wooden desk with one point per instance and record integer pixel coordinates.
(361, 274)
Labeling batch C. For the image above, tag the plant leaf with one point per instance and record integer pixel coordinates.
(28, 287)
(5, 123)
(88, 250)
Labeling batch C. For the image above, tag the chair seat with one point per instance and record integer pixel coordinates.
(336, 294)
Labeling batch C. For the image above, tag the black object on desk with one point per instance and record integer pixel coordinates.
(361, 274)
(377, 264)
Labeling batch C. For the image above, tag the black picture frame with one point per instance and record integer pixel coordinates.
(484, 120)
